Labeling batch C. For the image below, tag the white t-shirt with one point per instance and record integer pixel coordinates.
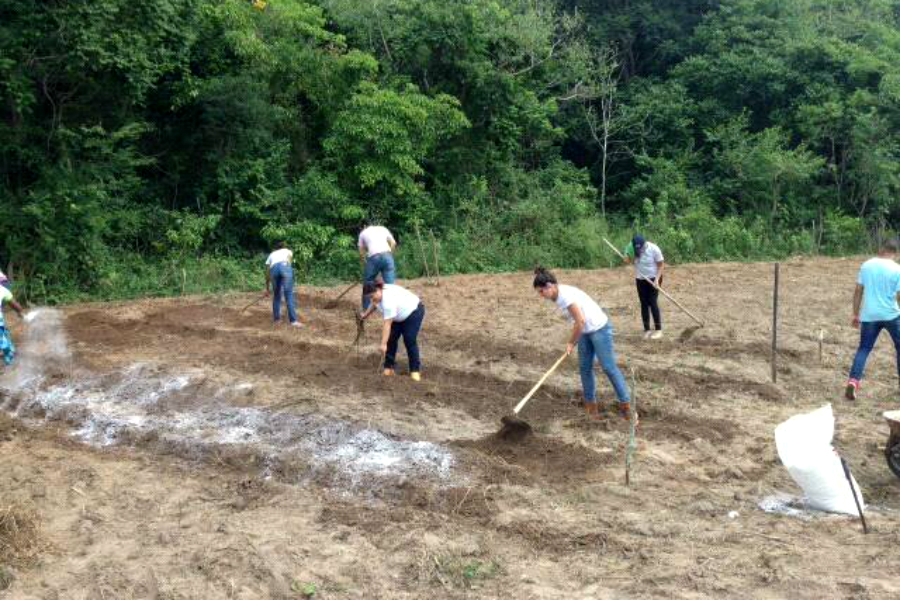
(645, 266)
(397, 303)
(594, 317)
(375, 240)
(5, 296)
(279, 256)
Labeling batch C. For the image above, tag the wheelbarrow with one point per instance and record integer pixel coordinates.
(892, 450)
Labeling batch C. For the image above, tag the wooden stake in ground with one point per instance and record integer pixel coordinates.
(422, 251)
(775, 325)
(859, 510)
(631, 446)
(437, 262)
(821, 342)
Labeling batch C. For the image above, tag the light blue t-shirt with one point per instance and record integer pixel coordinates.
(881, 279)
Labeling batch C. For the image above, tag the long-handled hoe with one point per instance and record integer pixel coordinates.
(257, 301)
(688, 332)
(514, 428)
(333, 303)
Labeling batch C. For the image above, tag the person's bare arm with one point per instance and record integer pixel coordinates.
(659, 272)
(386, 334)
(577, 327)
(18, 307)
(857, 303)
(268, 280)
(392, 243)
(362, 254)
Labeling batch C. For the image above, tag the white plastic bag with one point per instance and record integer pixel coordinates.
(804, 446)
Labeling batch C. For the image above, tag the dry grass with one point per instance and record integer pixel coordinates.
(20, 538)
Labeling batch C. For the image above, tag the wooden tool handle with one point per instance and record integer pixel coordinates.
(537, 386)
(344, 293)
(614, 249)
(675, 302)
(254, 302)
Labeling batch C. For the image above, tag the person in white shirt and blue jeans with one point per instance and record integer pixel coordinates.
(875, 308)
(280, 275)
(376, 247)
(403, 314)
(592, 333)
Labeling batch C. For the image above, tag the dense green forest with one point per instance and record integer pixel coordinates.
(162, 145)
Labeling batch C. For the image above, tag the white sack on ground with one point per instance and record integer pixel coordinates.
(804, 447)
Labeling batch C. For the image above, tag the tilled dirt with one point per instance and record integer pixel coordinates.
(183, 449)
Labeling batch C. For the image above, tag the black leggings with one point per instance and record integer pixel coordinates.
(649, 296)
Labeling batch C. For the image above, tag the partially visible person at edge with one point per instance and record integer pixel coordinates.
(280, 274)
(875, 308)
(403, 314)
(4, 281)
(376, 247)
(648, 267)
(592, 333)
(6, 344)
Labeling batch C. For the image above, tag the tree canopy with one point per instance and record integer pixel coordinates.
(517, 131)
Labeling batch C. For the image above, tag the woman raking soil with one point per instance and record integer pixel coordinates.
(592, 334)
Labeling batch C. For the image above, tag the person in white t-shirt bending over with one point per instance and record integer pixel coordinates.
(648, 269)
(280, 274)
(592, 333)
(376, 247)
(403, 314)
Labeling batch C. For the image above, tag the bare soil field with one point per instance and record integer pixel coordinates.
(181, 449)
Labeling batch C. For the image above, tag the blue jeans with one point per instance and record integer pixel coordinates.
(379, 263)
(283, 283)
(409, 329)
(868, 335)
(599, 345)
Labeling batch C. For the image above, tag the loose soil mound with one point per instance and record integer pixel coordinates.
(287, 461)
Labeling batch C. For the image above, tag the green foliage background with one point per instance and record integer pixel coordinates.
(162, 146)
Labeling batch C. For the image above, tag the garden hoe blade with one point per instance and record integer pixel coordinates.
(514, 428)
(688, 333)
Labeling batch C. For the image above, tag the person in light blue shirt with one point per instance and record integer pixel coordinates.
(875, 308)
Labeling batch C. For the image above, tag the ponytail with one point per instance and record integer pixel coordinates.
(543, 277)
(371, 287)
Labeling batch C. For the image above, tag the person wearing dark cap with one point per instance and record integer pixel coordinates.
(648, 270)
(403, 313)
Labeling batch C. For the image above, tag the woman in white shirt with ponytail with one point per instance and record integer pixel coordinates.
(592, 334)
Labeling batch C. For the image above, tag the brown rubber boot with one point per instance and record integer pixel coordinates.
(590, 409)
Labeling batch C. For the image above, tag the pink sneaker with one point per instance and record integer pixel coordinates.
(851, 389)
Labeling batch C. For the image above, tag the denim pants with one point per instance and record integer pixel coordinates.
(868, 335)
(409, 330)
(382, 263)
(599, 345)
(283, 283)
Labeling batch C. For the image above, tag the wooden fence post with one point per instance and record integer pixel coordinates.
(775, 325)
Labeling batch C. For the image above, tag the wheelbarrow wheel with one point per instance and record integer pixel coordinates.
(892, 453)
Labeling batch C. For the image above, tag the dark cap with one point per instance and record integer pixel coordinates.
(638, 242)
